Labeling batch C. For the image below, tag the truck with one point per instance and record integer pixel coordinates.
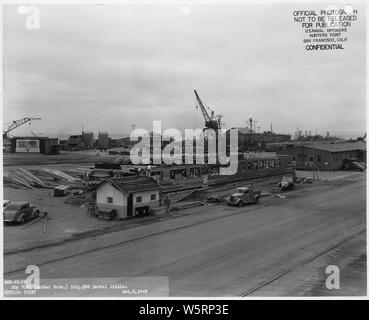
(244, 195)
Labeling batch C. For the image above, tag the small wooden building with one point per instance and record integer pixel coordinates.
(129, 196)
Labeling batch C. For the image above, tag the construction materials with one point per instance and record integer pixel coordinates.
(45, 217)
(303, 180)
(60, 191)
(33, 222)
(45, 221)
(60, 175)
(15, 179)
(25, 178)
(286, 183)
(36, 181)
(280, 196)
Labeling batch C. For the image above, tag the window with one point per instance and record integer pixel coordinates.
(311, 159)
(138, 199)
(153, 196)
(109, 200)
(243, 166)
(319, 158)
(293, 158)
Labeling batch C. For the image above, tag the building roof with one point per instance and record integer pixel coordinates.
(132, 184)
(246, 131)
(32, 138)
(242, 130)
(339, 147)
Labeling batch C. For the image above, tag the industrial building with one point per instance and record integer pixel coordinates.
(43, 145)
(129, 196)
(324, 155)
(103, 140)
(88, 139)
(75, 142)
(248, 139)
(80, 141)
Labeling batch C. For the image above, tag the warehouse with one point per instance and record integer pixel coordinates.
(129, 196)
(44, 145)
(325, 156)
(253, 140)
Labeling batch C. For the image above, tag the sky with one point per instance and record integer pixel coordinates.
(106, 67)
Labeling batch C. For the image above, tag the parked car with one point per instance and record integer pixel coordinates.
(6, 203)
(244, 195)
(20, 212)
(353, 164)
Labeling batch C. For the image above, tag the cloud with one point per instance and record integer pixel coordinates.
(106, 67)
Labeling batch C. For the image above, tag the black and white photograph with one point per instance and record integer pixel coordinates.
(178, 149)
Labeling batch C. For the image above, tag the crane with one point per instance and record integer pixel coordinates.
(362, 138)
(211, 121)
(17, 123)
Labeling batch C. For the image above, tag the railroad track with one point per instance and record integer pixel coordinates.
(309, 259)
(238, 212)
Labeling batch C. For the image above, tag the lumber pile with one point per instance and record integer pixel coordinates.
(60, 175)
(26, 179)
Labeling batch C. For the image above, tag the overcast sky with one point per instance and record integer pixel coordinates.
(105, 67)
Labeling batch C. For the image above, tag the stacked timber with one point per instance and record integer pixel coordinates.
(25, 178)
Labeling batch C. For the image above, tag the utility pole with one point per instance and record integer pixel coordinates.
(250, 120)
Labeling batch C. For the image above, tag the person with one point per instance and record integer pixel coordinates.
(148, 171)
(167, 204)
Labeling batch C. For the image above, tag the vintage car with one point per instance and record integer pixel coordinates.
(244, 195)
(353, 164)
(20, 212)
(6, 203)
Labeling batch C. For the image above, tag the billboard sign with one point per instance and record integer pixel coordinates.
(27, 145)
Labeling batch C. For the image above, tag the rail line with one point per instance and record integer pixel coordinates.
(313, 257)
(136, 239)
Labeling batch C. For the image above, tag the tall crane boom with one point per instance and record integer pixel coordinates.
(201, 105)
(211, 121)
(17, 123)
(362, 138)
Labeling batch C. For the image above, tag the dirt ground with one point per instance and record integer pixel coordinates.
(71, 220)
(89, 156)
(68, 221)
(65, 219)
(279, 247)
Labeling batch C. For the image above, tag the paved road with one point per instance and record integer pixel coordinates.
(233, 254)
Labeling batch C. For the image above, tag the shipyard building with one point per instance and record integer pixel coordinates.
(327, 156)
(43, 145)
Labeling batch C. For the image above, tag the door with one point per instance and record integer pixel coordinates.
(130, 205)
(142, 211)
(27, 210)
